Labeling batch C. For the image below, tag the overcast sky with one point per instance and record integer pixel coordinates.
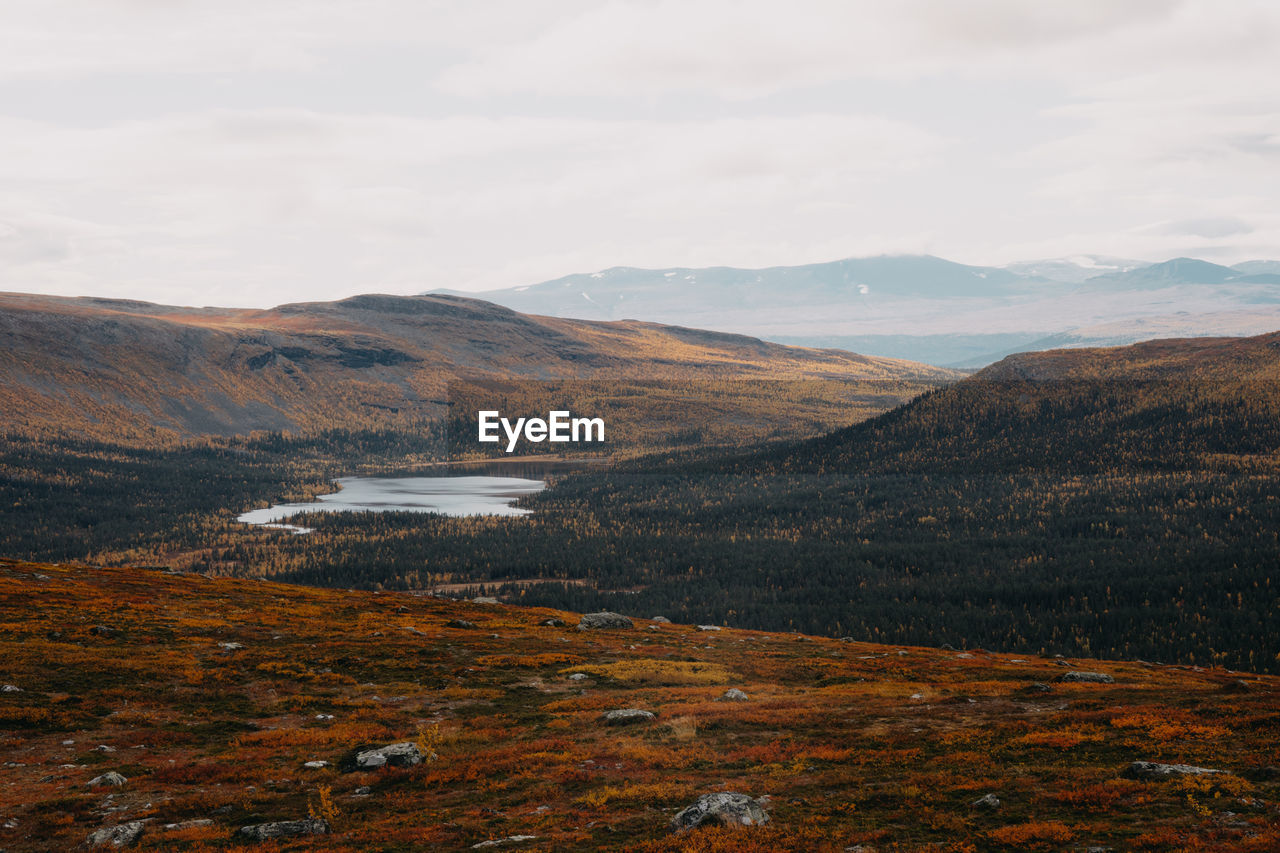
(242, 152)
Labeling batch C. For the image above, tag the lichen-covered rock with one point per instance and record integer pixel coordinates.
(989, 801)
(733, 694)
(118, 836)
(1087, 677)
(708, 627)
(726, 808)
(396, 755)
(552, 623)
(284, 829)
(1154, 770)
(661, 620)
(603, 620)
(626, 716)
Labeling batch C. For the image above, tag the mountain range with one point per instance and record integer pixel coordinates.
(117, 368)
(925, 308)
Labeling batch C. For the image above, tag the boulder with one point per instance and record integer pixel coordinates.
(602, 620)
(315, 765)
(120, 835)
(733, 694)
(111, 777)
(499, 842)
(989, 801)
(1154, 770)
(552, 623)
(460, 623)
(396, 755)
(231, 647)
(102, 631)
(708, 627)
(579, 676)
(626, 716)
(484, 599)
(1086, 678)
(726, 808)
(661, 620)
(284, 829)
(11, 688)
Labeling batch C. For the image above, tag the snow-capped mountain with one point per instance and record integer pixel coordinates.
(927, 308)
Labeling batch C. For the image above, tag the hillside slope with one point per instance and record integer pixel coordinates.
(226, 703)
(111, 368)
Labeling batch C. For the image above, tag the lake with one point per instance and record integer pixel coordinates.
(471, 494)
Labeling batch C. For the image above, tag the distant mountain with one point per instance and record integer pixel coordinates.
(920, 307)
(1076, 268)
(115, 368)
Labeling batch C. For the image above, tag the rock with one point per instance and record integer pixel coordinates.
(552, 623)
(498, 842)
(661, 620)
(626, 716)
(315, 765)
(947, 647)
(102, 631)
(109, 778)
(396, 755)
(579, 676)
(190, 824)
(284, 829)
(231, 647)
(362, 791)
(1039, 687)
(1087, 677)
(989, 801)
(460, 623)
(726, 808)
(733, 694)
(324, 717)
(120, 835)
(10, 688)
(484, 599)
(102, 747)
(603, 619)
(1154, 770)
(708, 627)
(402, 609)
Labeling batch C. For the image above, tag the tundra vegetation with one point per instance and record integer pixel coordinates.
(230, 703)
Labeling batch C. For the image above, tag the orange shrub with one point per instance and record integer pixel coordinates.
(1036, 835)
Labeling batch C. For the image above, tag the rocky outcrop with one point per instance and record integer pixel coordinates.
(1154, 770)
(733, 694)
(111, 777)
(1086, 678)
(626, 716)
(603, 620)
(118, 836)
(284, 829)
(396, 755)
(726, 808)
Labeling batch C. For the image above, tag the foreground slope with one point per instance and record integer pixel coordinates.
(210, 696)
(113, 368)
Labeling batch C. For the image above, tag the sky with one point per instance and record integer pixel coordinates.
(240, 152)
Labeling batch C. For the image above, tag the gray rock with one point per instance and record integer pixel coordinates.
(10, 688)
(190, 824)
(989, 801)
(396, 755)
(460, 623)
(102, 747)
(661, 620)
(626, 716)
(708, 627)
(733, 694)
(315, 765)
(120, 835)
(111, 777)
(603, 619)
(284, 829)
(1155, 770)
(1087, 677)
(552, 623)
(726, 808)
(499, 842)
(102, 631)
(579, 676)
(484, 599)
